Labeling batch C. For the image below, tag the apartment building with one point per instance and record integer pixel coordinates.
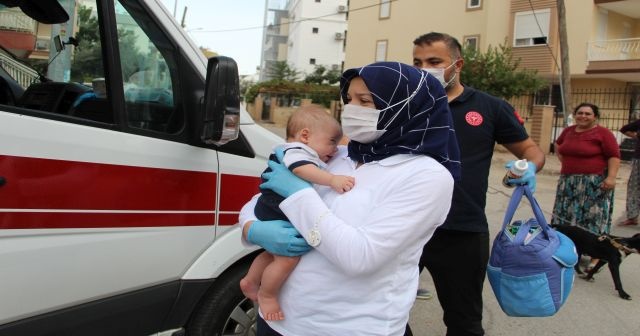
(603, 37)
(304, 33)
(274, 36)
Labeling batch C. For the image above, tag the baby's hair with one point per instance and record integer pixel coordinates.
(309, 116)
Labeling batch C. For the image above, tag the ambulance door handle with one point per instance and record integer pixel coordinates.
(2, 181)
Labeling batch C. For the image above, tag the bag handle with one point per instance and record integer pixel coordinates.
(516, 197)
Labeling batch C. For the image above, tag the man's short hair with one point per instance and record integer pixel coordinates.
(455, 49)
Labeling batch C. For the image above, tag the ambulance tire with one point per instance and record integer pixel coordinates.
(224, 310)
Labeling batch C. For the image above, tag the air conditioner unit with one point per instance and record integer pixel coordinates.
(339, 36)
(342, 9)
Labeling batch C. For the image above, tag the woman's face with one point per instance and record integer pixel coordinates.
(584, 117)
(358, 93)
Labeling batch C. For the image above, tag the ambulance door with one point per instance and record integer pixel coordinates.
(102, 198)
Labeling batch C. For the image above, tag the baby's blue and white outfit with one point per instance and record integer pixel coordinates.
(296, 154)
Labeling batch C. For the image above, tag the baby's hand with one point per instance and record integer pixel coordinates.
(342, 183)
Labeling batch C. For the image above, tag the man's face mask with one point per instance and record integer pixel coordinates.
(438, 73)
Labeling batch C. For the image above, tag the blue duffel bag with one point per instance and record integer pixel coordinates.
(531, 265)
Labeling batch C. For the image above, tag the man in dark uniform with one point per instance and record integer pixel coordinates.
(457, 254)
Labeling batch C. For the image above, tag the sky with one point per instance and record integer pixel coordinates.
(205, 21)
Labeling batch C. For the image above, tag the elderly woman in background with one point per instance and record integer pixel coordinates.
(590, 158)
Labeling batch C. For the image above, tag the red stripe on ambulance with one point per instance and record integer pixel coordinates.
(58, 185)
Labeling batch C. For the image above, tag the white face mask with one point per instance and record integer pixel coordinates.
(438, 73)
(360, 123)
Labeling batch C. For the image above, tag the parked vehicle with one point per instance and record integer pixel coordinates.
(124, 161)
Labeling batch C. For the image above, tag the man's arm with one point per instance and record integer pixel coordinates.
(527, 149)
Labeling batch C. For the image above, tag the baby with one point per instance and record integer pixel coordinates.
(312, 140)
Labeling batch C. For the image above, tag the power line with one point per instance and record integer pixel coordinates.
(296, 21)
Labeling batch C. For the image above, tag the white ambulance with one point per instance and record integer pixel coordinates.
(124, 161)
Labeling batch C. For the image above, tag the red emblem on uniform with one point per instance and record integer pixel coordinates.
(473, 118)
(520, 120)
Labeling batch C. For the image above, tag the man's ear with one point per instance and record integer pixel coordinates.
(304, 135)
(459, 65)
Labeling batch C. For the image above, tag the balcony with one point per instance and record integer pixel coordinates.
(614, 56)
(17, 32)
(614, 50)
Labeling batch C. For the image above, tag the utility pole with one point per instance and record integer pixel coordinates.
(565, 72)
(184, 17)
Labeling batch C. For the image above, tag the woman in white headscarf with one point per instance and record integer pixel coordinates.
(361, 276)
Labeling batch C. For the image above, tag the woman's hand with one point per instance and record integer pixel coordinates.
(608, 183)
(277, 237)
(281, 180)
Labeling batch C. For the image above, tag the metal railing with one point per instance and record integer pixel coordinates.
(613, 50)
(24, 75)
(17, 21)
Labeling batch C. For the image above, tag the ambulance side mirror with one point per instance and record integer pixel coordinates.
(220, 118)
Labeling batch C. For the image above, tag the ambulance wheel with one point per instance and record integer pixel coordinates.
(224, 310)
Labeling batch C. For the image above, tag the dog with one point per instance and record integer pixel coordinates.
(608, 249)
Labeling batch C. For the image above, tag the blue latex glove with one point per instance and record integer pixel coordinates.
(278, 237)
(529, 177)
(281, 180)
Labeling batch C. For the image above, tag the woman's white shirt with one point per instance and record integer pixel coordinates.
(362, 277)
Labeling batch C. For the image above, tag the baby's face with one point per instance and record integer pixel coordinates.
(325, 142)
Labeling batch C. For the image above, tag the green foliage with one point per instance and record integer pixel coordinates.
(245, 84)
(315, 86)
(281, 71)
(496, 72)
(322, 75)
(87, 58)
(319, 93)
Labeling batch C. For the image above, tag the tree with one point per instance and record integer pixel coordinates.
(281, 71)
(496, 72)
(320, 93)
(246, 82)
(87, 58)
(321, 75)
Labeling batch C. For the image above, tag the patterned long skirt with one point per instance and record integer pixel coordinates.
(580, 201)
(633, 190)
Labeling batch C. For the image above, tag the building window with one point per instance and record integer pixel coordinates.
(385, 9)
(314, 30)
(381, 51)
(531, 28)
(474, 4)
(312, 61)
(471, 41)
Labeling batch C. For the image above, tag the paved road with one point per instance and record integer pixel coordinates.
(593, 308)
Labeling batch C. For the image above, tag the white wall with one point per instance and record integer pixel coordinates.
(303, 44)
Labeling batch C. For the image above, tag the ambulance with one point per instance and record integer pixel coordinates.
(125, 158)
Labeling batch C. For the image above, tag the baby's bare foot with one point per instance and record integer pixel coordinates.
(270, 308)
(249, 289)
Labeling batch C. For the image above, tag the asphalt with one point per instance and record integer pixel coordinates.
(593, 308)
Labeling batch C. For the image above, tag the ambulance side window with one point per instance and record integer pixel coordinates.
(62, 73)
(148, 67)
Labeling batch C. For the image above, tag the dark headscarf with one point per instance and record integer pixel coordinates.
(415, 107)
